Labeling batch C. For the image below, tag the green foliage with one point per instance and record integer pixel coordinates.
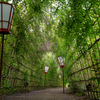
(41, 31)
(93, 78)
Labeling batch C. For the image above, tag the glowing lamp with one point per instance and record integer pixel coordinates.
(6, 15)
(61, 61)
(46, 69)
(59, 76)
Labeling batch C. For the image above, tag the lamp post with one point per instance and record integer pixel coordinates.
(45, 71)
(6, 15)
(61, 61)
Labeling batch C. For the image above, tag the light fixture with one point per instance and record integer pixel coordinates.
(6, 15)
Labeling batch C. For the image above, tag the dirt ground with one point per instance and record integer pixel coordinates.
(46, 94)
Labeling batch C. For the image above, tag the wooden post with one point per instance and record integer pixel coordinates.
(1, 63)
(45, 81)
(63, 79)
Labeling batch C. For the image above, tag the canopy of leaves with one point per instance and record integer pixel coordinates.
(44, 29)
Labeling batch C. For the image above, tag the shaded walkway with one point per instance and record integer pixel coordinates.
(46, 94)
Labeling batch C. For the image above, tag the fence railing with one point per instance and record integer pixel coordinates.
(19, 71)
(85, 74)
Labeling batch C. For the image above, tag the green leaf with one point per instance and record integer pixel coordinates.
(93, 78)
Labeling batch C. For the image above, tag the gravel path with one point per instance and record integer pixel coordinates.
(46, 94)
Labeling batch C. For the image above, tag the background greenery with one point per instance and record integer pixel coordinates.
(44, 29)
